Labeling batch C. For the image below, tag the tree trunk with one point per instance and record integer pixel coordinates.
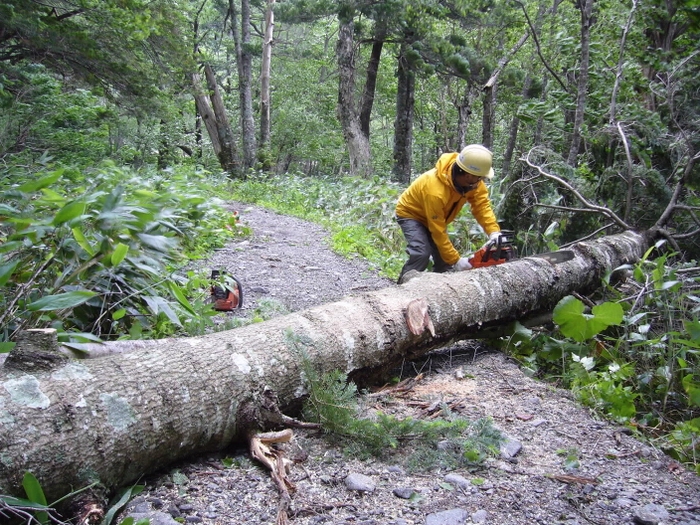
(265, 77)
(220, 125)
(464, 111)
(115, 418)
(244, 60)
(403, 124)
(586, 8)
(371, 81)
(489, 90)
(488, 115)
(206, 113)
(355, 140)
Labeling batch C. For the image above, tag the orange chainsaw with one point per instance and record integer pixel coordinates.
(501, 250)
(228, 295)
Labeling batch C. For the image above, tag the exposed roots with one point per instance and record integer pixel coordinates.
(262, 448)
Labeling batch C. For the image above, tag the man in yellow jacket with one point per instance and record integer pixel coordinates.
(433, 201)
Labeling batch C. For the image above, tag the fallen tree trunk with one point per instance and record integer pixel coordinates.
(114, 418)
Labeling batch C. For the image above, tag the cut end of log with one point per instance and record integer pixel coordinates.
(418, 317)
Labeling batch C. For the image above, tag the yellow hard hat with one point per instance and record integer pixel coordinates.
(476, 160)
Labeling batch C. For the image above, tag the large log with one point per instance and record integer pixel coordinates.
(114, 418)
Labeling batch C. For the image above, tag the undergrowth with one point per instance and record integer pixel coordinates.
(449, 441)
(101, 255)
(632, 353)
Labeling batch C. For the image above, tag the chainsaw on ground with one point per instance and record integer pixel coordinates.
(227, 294)
(501, 250)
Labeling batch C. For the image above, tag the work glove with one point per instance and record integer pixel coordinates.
(493, 239)
(462, 264)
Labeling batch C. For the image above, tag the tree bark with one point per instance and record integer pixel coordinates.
(244, 61)
(371, 81)
(265, 77)
(403, 123)
(355, 140)
(586, 8)
(206, 113)
(113, 419)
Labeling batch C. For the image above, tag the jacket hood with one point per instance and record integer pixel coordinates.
(443, 168)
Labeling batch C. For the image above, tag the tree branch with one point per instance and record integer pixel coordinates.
(628, 202)
(539, 49)
(588, 206)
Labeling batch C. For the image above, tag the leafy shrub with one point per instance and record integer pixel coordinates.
(94, 255)
(634, 357)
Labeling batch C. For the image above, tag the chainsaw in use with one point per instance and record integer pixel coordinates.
(501, 250)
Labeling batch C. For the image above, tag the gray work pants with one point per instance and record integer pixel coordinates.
(420, 248)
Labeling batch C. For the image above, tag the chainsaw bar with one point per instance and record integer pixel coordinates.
(555, 257)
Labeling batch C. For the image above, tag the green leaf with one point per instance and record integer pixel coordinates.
(82, 241)
(119, 314)
(48, 180)
(69, 212)
(157, 242)
(120, 251)
(6, 347)
(568, 314)
(693, 329)
(180, 296)
(692, 388)
(604, 315)
(8, 211)
(35, 494)
(123, 499)
(20, 502)
(579, 326)
(6, 271)
(60, 301)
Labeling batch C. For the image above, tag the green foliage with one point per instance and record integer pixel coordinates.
(579, 326)
(449, 442)
(635, 359)
(35, 509)
(101, 265)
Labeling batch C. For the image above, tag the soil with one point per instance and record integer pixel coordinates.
(559, 462)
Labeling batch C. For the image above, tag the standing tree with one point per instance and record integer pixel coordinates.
(357, 142)
(265, 98)
(244, 58)
(586, 9)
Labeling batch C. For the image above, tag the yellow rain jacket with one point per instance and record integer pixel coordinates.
(433, 200)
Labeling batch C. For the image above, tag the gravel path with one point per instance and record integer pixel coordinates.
(559, 464)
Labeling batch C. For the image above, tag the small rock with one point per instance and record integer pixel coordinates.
(623, 503)
(155, 518)
(403, 492)
(650, 514)
(193, 519)
(458, 480)
(360, 482)
(510, 448)
(479, 516)
(156, 502)
(447, 517)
